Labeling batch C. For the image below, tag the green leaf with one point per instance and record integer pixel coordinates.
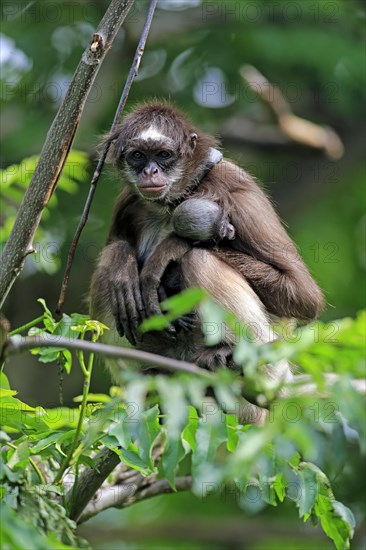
(149, 428)
(279, 486)
(20, 530)
(128, 456)
(174, 307)
(176, 409)
(14, 414)
(47, 312)
(211, 433)
(174, 404)
(173, 454)
(63, 439)
(20, 457)
(246, 354)
(136, 437)
(232, 435)
(213, 322)
(5, 393)
(46, 442)
(61, 417)
(184, 302)
(190, 431)
(252, 444)
(87, 461)
(7, 474)
(337, 521)
(308, 490)
(4, 382)
(131, 458)
(155, 322)
(268, 493)
(122, 430)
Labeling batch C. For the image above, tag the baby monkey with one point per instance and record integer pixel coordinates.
(202, 220)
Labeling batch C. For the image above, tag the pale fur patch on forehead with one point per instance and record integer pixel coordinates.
(153, 134)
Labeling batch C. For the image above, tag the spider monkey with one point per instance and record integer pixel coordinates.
(188, 217)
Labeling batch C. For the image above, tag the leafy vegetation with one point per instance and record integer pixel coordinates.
(169, 427)
(14, 181)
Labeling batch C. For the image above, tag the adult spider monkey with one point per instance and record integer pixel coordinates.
(187, 217)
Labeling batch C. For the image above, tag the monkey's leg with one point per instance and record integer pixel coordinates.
(227, 287)
(201, 268)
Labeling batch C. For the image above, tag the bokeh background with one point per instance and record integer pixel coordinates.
(314, 52)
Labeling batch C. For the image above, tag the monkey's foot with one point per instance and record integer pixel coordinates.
(215, 357)
(186, 323)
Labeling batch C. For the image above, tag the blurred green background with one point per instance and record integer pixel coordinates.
(312, 50)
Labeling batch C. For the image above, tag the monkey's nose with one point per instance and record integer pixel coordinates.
(150, 171)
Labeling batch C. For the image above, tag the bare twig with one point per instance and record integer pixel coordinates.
(56, 147)
(299, 385)
(296, 128)
(93, 185)
(15, 345)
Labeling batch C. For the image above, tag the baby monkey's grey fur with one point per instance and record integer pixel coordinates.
(202, 220)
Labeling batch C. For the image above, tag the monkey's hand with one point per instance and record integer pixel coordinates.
(171, 249)
(120, 262)
(214, 357)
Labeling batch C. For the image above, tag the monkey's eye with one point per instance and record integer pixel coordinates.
(164, 154)
(137, 155)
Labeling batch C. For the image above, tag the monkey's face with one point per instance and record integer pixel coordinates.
(152, 166)
(159, 151)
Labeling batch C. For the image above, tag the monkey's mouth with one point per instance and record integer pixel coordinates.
(152, 189)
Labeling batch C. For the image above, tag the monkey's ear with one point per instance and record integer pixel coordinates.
(193, 136)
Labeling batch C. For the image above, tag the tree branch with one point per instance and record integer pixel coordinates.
(136, 489)
(93, 185)
(299, 385)
(56, 147)
(90, 481)
(293, 127)
(17, 345)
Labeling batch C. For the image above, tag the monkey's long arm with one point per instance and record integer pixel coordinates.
(115, 285)
(262, 250)
(282, 291)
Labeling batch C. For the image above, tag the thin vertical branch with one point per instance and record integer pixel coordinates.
(87, 371)
(56, 147)
(93, 185)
